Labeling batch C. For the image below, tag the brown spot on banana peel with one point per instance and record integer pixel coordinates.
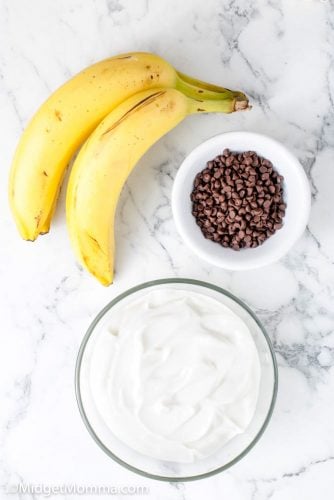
(38, 222)
(137, 107)
(121, 57)
(58, 115)
(95, 242)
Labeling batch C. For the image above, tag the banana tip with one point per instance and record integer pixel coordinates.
(105, 281)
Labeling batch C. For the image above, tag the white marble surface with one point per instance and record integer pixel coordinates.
(281, 53)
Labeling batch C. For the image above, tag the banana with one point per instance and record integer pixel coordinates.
(67, 118)
(106, 160)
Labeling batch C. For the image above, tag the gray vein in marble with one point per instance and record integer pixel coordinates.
(114, 6)
(308, 164)
(290, 475)
(317, 242)
(67, 25)
(23, 386)
(277, 6)
(13, 100)
(304, 357)
(36, 71)
(233, 20)
(179, 488)
(257, 98)
(161, 168)
(59, 295)
(152, 230)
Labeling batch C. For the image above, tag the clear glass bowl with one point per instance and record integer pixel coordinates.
(231, 452)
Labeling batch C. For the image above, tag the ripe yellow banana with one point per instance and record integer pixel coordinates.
(107, 158)
(67, 118)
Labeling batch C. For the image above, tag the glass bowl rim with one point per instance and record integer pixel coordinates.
(91, 329)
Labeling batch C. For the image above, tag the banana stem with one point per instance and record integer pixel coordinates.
(196, 89)
(228, 104)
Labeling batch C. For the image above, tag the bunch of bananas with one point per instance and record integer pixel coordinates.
(120, 106)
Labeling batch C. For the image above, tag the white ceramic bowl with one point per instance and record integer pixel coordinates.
(296, 195)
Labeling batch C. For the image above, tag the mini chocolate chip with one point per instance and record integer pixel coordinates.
(258, 211)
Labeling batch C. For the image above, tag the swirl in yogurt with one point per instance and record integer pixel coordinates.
(175, 374)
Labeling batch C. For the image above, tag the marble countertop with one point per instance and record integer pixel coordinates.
(281, 53)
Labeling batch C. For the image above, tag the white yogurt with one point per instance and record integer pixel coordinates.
(175, 375)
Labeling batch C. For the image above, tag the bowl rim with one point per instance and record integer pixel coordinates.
(91, 329)
(180, 181)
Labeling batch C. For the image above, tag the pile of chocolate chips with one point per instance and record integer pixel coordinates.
(238, 200)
